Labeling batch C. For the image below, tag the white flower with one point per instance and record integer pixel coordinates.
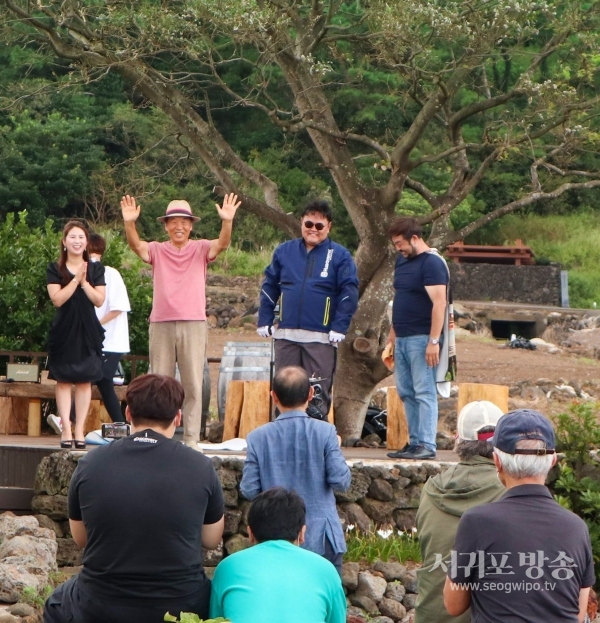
(384, 534)
(414, 531)
(349, 527)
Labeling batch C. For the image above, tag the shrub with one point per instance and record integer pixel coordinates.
(578, 485)
(384, 544)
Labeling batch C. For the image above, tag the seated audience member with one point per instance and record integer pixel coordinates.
(275, 580)
(524, 557)
(470, 482)
(143, 507)
(300, 453)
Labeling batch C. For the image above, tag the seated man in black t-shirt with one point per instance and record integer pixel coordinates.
(143, 507)
(524, 557)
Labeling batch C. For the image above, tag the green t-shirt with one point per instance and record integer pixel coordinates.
(277, 581)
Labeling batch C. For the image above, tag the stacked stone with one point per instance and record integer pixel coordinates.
(378, 496)
(384, 593)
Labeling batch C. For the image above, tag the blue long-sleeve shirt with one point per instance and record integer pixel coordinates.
(300, 453)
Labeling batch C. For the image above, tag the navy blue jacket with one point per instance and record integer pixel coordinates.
(317, 291)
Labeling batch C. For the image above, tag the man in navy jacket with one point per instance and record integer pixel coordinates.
(314, 280)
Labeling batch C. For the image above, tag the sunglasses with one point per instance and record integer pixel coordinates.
(317, 226)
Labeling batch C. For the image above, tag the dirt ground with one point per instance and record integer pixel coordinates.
(480, 360)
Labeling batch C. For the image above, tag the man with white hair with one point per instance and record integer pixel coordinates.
(178, 316)
(470, 482)
(524, 557)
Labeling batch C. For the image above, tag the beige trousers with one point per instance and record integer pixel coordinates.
(182, 342)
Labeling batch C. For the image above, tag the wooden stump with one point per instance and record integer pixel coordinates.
(34, 419)
(14, 413)
(233, 409)
(397, 428)
(97, 414)
(469, 392)
(255, 409)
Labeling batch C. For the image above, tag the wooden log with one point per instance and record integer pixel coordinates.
(233, 409)
(255, 409)
(469, 392)
(97, 414)
(34, 419)
(14, 413)
(397, 428)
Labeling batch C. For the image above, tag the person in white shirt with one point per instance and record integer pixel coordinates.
(113, 317)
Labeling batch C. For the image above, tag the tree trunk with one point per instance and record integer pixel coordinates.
(358, 372)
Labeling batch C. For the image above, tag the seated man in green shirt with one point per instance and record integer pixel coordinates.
(275, 580)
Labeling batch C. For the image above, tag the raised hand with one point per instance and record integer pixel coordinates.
(229, 208)
(129, 209)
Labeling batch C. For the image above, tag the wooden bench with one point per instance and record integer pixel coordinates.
(25, 406)
(516, 255)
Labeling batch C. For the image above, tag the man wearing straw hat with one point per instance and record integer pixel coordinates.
(178, 317)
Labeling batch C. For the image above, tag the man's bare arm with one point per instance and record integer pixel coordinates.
(212, 534)
(79, 532)
(457, 599)
(227, 212)
(437, 294)
(584, 595)
(131, 211)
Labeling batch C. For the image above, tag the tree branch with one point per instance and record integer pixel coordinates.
(523, 202)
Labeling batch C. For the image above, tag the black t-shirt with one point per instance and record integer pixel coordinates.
(411, 313)
(524, 557)
(143, 501)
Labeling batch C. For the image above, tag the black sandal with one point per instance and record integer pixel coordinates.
(80, 445)
(66, 445)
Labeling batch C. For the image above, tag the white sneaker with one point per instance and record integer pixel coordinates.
(55, 423)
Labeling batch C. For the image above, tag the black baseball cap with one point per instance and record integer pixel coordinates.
(524, 424)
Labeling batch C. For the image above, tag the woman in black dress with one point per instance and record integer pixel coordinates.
(76, 335)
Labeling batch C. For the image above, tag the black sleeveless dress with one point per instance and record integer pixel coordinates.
(76, 335)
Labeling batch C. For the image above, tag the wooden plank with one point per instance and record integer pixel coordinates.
(234, 401)
(255, 410)
(13, 416)
(34, 419)
(97, 414)
(46, 392)
(397, 428)
(469, 392)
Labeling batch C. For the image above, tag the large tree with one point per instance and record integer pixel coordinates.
(474, 84)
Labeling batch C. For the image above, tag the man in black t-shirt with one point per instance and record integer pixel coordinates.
(420, 282)
(524, 557)
(143, 507)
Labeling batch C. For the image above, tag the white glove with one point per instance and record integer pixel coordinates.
(335, 337)
(265, 331)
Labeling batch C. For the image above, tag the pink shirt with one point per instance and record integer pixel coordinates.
(179, 280)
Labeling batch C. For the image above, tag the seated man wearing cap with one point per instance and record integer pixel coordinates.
(178, 317)
(524, 557)
(470, 482)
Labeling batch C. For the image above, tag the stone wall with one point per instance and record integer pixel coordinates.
(381, 494)
(535, 285)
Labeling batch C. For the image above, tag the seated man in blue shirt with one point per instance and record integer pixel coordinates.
(275, 580)
(300, 453)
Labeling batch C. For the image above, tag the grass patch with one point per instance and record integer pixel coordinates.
(573, 240)
(384, 544)
(234, 261)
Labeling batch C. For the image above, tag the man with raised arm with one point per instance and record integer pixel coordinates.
(178, 317)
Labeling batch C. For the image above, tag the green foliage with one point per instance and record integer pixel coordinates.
(234, 261)
(25, 307)
(36, 598)
(578, 485)
(189, 617)
(573, 240)
(384, 544)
